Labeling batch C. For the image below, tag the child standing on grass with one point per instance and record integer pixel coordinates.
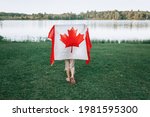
(70, 42)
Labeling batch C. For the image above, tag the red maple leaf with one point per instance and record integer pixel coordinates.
(72, 39)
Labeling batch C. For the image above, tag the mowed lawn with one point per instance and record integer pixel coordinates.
(117, 71)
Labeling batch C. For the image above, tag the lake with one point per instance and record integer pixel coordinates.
(35, 30)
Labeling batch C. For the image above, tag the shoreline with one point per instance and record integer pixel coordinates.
(2, 39)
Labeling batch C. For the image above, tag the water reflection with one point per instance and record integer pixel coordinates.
(20, 30)
(1, 24)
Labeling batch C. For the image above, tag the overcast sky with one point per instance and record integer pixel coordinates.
(75, 6)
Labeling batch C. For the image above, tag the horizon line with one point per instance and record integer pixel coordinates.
(73, 12)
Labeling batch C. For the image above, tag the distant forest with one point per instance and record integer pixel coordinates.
(89, 15)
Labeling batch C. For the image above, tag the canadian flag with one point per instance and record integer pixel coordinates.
(70, 42)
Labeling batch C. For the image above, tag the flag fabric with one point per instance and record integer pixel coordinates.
(70, 42)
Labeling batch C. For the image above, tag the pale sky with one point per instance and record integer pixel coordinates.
(75, 6)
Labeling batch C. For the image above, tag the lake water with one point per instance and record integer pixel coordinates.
(35, 30)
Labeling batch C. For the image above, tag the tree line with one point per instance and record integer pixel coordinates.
(89, 15)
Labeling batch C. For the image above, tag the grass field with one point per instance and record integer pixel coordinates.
(116, 71)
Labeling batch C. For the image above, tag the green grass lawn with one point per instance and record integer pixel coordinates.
(116, 71)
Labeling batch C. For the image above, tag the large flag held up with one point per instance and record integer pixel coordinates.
(70, 42)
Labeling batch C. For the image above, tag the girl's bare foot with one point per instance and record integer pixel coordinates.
(68, 79)
(72, 80)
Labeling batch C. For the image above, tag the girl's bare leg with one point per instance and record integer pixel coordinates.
(68, 73)
(67, 69)
(72, 69)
